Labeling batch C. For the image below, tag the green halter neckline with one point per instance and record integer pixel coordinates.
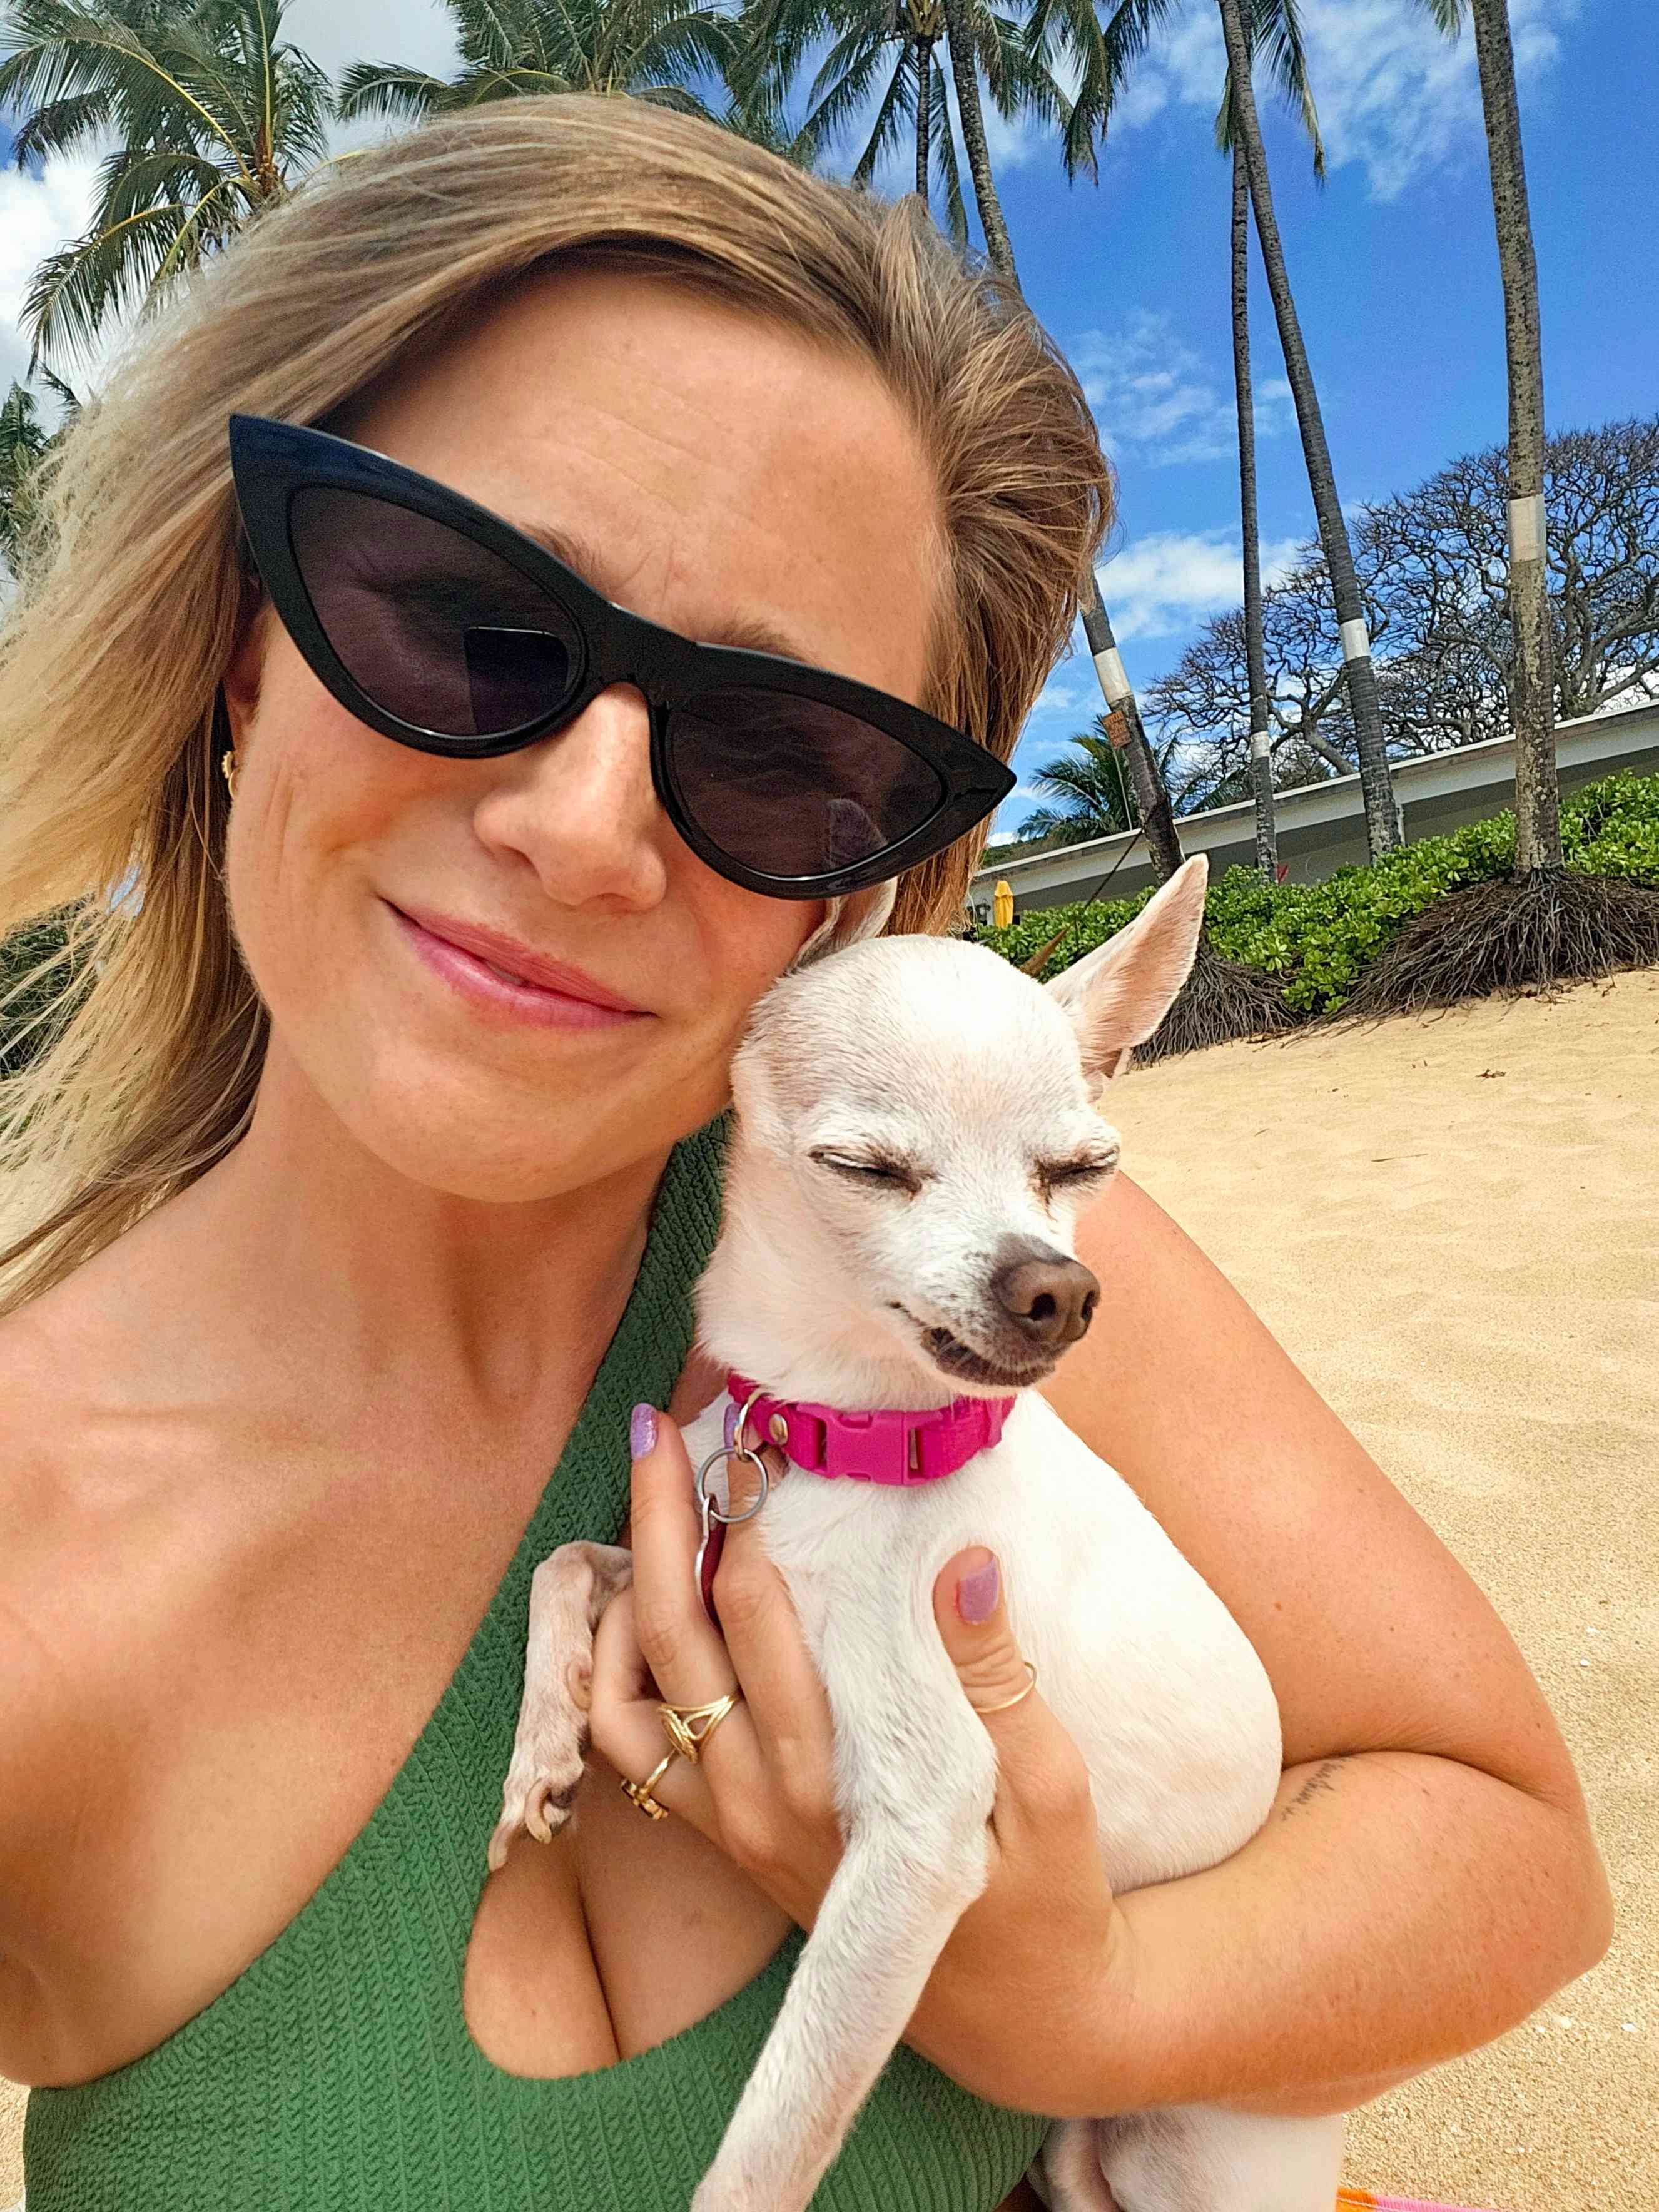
(336, 2074)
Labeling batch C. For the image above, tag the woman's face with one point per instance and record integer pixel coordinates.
(723, 472)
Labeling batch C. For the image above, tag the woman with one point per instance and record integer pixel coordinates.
(332, 1237)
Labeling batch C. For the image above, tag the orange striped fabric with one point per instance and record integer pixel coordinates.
(1362, 2200)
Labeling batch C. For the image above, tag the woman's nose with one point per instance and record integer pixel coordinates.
(581, 808)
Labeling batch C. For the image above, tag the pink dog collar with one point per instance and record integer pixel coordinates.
(897, 1449)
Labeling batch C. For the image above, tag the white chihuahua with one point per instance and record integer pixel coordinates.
(915, 1134)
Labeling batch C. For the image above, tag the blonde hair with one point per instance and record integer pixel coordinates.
(112, 813)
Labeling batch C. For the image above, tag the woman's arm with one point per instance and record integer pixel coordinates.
(1427, 1876)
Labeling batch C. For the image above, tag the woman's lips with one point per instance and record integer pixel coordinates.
(485, 983)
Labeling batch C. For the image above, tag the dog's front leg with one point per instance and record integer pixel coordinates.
(568, 1593)
(917, 1801)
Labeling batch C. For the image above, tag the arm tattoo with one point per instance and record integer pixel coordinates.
(1323, 1778)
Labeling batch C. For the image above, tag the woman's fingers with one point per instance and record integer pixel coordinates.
(763, 1788)
(1041, 1775)
(763, 1637)
(684, 1649)
(627, 1730)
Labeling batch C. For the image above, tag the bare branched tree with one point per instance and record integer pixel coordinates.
(1433, 569)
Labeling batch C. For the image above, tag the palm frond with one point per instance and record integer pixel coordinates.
(60, 126)
(897, 107)
(944, 145)
(1274, 30)
(108, 272)
(391, 90)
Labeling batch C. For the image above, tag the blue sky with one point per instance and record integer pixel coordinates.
(1393, 262)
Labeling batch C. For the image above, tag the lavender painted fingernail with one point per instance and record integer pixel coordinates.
(641, 1431)
(977, 1594)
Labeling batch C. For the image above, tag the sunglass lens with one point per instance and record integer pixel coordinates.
(433, 628)
(791, 786)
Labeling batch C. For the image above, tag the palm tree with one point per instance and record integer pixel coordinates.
(1255, 656)
(883, 50)
(1087, 782)
(1382, 830)
(1105, 50)
(1123, 711)
(1220, 998)
(1532, 686)
(1546, 921)
(1277, 28)
(1093, 794)
(24, 443)
(213, 119)
(648, 49)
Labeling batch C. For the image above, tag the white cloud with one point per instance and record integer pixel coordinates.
(37, 215)
(416, 32)
(1153, 394)
(1171, 580)
(1393, 94)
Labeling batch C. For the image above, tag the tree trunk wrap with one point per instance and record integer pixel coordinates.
(1532, 689)
(1156, 817)
(1261, 773)
(1383, 830)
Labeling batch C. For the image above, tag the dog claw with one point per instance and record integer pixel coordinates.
(550, 1745)
(534, 1804)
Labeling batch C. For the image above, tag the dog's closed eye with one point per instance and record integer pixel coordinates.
(1085, 1168)
(873, 1167)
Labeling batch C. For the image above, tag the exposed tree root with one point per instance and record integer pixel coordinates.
(1221, 1000)
(1520, 933)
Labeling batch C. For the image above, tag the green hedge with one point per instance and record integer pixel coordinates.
(1319, 936)
(44, 938)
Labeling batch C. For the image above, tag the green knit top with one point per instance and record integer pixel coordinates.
(336, 2074)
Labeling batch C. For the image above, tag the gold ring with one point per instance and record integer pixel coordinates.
(680, 1722)
(1007, 1702)
(641, 1791)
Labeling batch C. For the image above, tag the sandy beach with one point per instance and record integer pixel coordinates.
(1453, 1226)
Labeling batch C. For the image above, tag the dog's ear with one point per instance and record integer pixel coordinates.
(1118, 995)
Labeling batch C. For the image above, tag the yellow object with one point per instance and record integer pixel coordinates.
(1002, 903)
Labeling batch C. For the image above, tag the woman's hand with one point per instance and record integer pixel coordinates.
(1007, 2012)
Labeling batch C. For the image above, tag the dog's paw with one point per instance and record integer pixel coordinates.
(568, 1593)
(545, 1770)
(549, 1756)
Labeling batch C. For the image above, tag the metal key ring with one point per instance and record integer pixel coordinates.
(711, 1510)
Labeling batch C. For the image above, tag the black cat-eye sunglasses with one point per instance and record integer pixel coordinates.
(441, 625)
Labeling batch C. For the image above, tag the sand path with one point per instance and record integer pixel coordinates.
(1453, 1225)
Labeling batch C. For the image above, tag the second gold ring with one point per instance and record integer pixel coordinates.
(640, 1792)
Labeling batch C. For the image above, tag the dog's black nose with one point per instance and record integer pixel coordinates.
(1052, 1301)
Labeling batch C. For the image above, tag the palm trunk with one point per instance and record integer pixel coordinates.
(1383, 832)
(1156, 816)
(1531, 691)
(1152, 796)
(1256, 657)
(924, 112)
(959, 39)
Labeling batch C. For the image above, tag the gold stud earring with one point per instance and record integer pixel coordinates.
(228, 763)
